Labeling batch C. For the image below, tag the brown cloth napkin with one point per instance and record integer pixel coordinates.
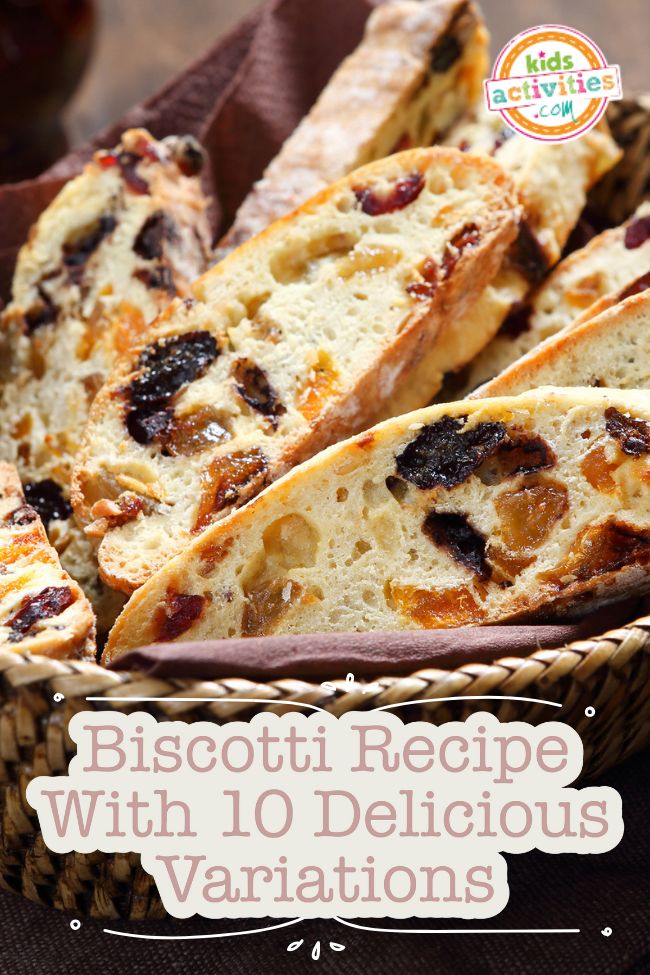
(547, 890)
(363, 654)
(241, 100)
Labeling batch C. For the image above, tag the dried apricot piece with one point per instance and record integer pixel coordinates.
(528, 514)
(433, 608)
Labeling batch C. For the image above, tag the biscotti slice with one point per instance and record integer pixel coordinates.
(610, 267)
(103, 260)
(292, 342)
(42, 610)
(419, 66)
(552, 181)
(611, 349)
(466, 513)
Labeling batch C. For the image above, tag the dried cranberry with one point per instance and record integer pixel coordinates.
(127, 162)
(637, 232)
(254, 387)
(464, 544)
(445, 53)
(189, 156)
(403, 192)
(47, 498)
(149, 242)
(443, 455)
(158, 278)
(635, 288)
(178, 614)
(166, 366)
(43, 312)
(22, 516)
(425, 289)
(467, 236)
(632, 435)
(527, 254)
(52, 601)
(76, 252)
(517, 321)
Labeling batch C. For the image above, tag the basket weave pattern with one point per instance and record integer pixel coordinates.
(610, 673)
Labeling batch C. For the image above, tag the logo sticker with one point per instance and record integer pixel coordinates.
(552, 83)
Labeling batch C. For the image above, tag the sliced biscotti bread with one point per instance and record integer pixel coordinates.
(552, 181)
(290, 343)
(419, 66)
(42, 610)
(612, 349)
(475, 512)
(610, 267)
(103, 259)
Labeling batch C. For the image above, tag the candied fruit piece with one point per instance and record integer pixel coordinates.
(51, 602)
(193, 432)
(177, 615)
(254, 387)
(444, 455)
(600, 549)
(266, 604)
(528, 514)
(438, 608)
(455, 534)
(225, 480)
(322, 384)
(633, 435)
(47, 498)
(402, 192)
(598, 470)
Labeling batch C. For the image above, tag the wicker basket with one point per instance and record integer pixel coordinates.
(610, 673)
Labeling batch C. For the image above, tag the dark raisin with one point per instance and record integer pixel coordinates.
(637, 232)
(254, 387)
(52, 601)
(127, 162)
(42, 312)
(178, 614)
(149, 242)
(166, 366)
(22, 516)
(635, 288)
(527, 255)
(189, 156)
(456, 536)
(519, 454)
(149, 427)
(445, 53)
(403, 192)
(47, 498)
(467, 236)
(77, 251)
(158, 278)
(443, 455)
(517, 321)
(632, 435)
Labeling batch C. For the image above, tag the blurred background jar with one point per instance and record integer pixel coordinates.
(44, 48)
